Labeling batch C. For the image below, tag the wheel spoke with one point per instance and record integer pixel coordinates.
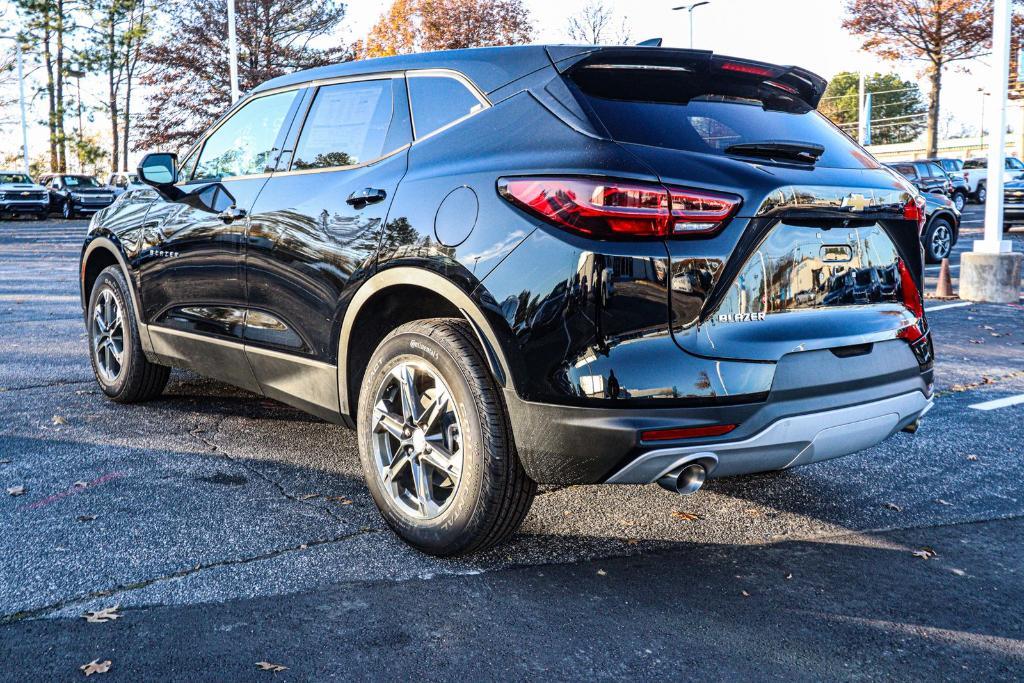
(407, 385)
(389, 422)
(444, 461)
(421, 478)
(435, 409)
(97, 318)
(396, 467)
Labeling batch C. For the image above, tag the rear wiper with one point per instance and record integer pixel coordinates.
(781, 150)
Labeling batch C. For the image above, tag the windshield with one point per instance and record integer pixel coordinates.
(15, 178)
(80, 181)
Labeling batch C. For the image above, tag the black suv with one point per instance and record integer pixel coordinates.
(522, 265)
(73, 195)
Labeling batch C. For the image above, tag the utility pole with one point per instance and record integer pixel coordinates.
(232, 52)
(21, 100)
(689, 9)
(991, 272)
(77, 75)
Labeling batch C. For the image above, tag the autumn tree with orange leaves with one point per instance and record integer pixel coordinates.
(422, 25)
(936, 32)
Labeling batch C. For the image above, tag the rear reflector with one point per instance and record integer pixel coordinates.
(619, 209)
(675, 434)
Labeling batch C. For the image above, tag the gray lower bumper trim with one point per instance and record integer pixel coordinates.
(789, 442)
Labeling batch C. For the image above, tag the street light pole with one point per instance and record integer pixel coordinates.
(21, 101)
(232, 52)
(689, 9)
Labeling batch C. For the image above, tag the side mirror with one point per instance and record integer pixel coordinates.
(159, 169)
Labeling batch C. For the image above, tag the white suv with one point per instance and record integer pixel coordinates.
(19, 195)
(123, 181)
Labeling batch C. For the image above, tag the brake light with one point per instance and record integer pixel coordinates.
(916, 210)
(676, 433)
(754, 70)
(606, 208)
(912, 300)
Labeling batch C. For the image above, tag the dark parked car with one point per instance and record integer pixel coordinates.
(521, 265)
(926, 176)
(954, 168)
(73, 195)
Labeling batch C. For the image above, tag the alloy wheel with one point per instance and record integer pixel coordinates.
(66, 210)
(942, 240)
(108, 336)
(417, 439)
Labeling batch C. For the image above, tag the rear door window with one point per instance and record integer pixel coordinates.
(346, 125)
(907, 170)
(438, 101)
(677, 108)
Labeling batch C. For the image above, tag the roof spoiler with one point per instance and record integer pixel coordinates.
(802, 83)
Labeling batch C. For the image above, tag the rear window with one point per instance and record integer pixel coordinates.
(976, 163)
(677, 109)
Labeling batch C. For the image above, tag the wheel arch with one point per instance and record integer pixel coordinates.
(404, 293)
(99, 253)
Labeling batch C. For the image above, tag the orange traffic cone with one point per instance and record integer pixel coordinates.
(944, 289)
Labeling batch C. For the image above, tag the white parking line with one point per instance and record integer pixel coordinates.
(945, 306)
(999, 403)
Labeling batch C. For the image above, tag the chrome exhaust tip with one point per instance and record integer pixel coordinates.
(685, 481)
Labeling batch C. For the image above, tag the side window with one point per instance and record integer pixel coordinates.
(906, 169)
(244, 144)
(924, 170)
(437, 101)
(346, 125)
(187, 167)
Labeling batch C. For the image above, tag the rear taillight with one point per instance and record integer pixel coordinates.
(614, 209)
(912, 300)
(915, 210)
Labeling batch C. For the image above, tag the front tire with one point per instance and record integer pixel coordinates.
(435, 442)
(121, 368)
(959, 200)
(67, 211)
(938, 240)
(982, 194)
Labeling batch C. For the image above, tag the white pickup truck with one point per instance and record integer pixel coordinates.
(976, 174)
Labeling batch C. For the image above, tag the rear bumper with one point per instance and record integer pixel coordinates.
(875, 393)
(792, 441)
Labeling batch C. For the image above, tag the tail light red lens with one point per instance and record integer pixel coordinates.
(613, 209)
(912, 300)
(916, 210)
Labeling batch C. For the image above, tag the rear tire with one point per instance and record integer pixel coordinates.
(981, 194)
(959, 200)
(121, 368)
(479, 494)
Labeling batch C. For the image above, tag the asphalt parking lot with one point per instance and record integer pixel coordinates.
(230, 530)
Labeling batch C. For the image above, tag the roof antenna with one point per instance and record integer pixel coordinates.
(650, 42)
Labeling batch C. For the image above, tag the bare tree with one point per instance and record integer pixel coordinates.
(594, 25)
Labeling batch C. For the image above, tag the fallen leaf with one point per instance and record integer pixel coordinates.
(632, 541)
(81, 484)
(268, 666)
(96, 667)
(894, 506)
(601, 572)
(976, 341)
(308, 496)
(86, 518)
(102, 616)
(925, 553)
(958, 572)
(340, 499)
(685, 516)
(16, 490)
(942, 502)
(59, 420)
(5, 462)
(745, 594)
(753, 512)
(972, 457)
(988, 327)
(789, 576)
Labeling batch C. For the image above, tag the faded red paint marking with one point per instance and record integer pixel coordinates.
(74, 490)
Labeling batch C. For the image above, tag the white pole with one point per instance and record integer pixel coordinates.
(993, 243)
(232, 52)
(861, 118)
(21, 98)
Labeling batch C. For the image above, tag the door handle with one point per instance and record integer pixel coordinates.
(369, 195)
(232, 213)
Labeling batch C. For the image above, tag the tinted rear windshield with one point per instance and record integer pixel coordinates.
(704, 113)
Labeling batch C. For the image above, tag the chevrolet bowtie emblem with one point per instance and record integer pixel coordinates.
(856, 202)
